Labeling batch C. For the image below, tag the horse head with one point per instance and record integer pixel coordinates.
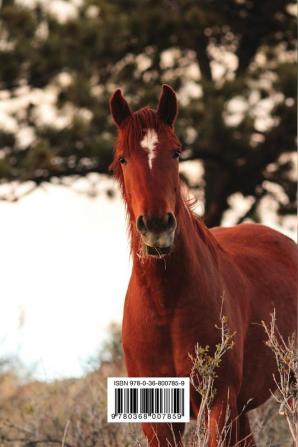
(146, 160)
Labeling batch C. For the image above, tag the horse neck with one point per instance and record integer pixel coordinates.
(194, 246)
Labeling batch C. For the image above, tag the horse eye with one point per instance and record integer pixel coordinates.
(176, 155)
(123, 160)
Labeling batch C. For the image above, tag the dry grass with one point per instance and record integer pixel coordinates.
(203, 375)
(269, 428)
(286, 380)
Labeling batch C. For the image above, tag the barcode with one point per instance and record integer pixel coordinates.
(150, 399)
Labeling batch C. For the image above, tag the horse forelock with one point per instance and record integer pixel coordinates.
(138, 124)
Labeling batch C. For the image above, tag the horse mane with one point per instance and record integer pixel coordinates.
(190, 203)
(205, 234)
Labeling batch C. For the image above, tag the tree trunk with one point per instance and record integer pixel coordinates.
(216, 193)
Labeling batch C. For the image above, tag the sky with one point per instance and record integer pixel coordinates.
(64, 271)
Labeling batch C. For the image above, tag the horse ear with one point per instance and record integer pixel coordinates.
(167, 107)
(119, 108)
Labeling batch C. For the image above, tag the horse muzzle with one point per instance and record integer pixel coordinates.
(157, 234)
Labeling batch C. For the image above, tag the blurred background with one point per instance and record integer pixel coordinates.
(64, 249)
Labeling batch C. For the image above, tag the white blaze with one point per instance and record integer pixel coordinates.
(149, 142)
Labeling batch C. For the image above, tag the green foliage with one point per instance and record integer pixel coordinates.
(138, 45)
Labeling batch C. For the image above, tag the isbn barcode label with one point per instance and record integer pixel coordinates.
(148, 399)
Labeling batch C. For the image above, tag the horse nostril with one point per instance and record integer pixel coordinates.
(141, 225)
(171, 221)
(156, 224)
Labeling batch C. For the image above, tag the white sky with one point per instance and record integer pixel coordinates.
(64, 268)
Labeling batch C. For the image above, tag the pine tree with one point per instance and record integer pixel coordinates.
(216, 54)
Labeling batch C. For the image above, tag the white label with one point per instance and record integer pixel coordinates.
(148, 399)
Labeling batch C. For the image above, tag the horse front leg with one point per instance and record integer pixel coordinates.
(246, 436)
(223, 421)
(164, 435)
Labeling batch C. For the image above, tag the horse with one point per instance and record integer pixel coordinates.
(181, 270)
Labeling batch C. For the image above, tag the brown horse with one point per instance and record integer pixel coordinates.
(181, 270)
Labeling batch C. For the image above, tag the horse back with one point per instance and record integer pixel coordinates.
(267, 260)
(250, 245)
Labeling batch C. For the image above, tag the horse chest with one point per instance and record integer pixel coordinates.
(157, 339)
(146, 341)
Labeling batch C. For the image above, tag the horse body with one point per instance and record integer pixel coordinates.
(170, 307)
(174, 301)
(268, 260)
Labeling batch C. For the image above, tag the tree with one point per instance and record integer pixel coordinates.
(217, 55)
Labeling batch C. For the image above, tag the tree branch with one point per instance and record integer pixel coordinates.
(203, 57)
(47, 175)
(259, 18)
